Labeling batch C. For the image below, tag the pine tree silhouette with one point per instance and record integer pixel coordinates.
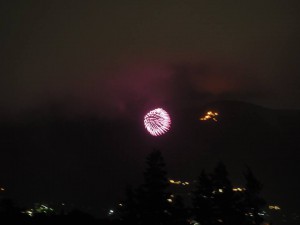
(225, 202)
(148, 203)
(222, 193)
(203, 199)
(152, 196)
(214, 201)
(252, 201)
(178, 212)
(129, 208)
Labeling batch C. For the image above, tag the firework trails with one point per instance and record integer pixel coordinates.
(157, 122)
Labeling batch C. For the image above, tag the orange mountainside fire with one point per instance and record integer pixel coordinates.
(210, 115)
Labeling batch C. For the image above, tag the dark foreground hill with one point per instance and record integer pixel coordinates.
(267, 140)
(89, 161)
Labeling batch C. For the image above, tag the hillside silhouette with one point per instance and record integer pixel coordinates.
(50, 156)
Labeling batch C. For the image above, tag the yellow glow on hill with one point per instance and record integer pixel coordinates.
(210, 115)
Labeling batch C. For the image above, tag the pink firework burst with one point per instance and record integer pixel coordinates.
(157, 122)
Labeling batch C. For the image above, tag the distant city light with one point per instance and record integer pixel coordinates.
(238, 189)
(175, 182)
(39, 209)
(274, 207)
(110, 212)
(2, 189)
(178, 182)
(193, 222)
(29, 212)
(169, 200)
(210, 115)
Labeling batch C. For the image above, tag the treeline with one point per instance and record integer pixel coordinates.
(214, 200)
(10, 214)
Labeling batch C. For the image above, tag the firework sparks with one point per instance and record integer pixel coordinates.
(157, 122)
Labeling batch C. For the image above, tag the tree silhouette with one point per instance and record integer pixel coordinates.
(129, 208)
(252, 201)
(178, 212)
(148, 203)
(8, 208)
(215, 202)
(203, 199)
(152, 196)
(225, 208)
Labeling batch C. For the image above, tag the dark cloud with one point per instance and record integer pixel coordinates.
(107, 56)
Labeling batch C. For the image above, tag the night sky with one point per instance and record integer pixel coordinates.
(77, 77)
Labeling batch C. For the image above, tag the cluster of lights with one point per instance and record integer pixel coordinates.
(220, 190)
(170, 199)
(29, 212)
(238, 189)
(193, 222)
(111, 212)
(249, 214)
(210, 115)
(178, 182)
(263, 213)
(43, 209)
(39, 209)
(274, 207)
